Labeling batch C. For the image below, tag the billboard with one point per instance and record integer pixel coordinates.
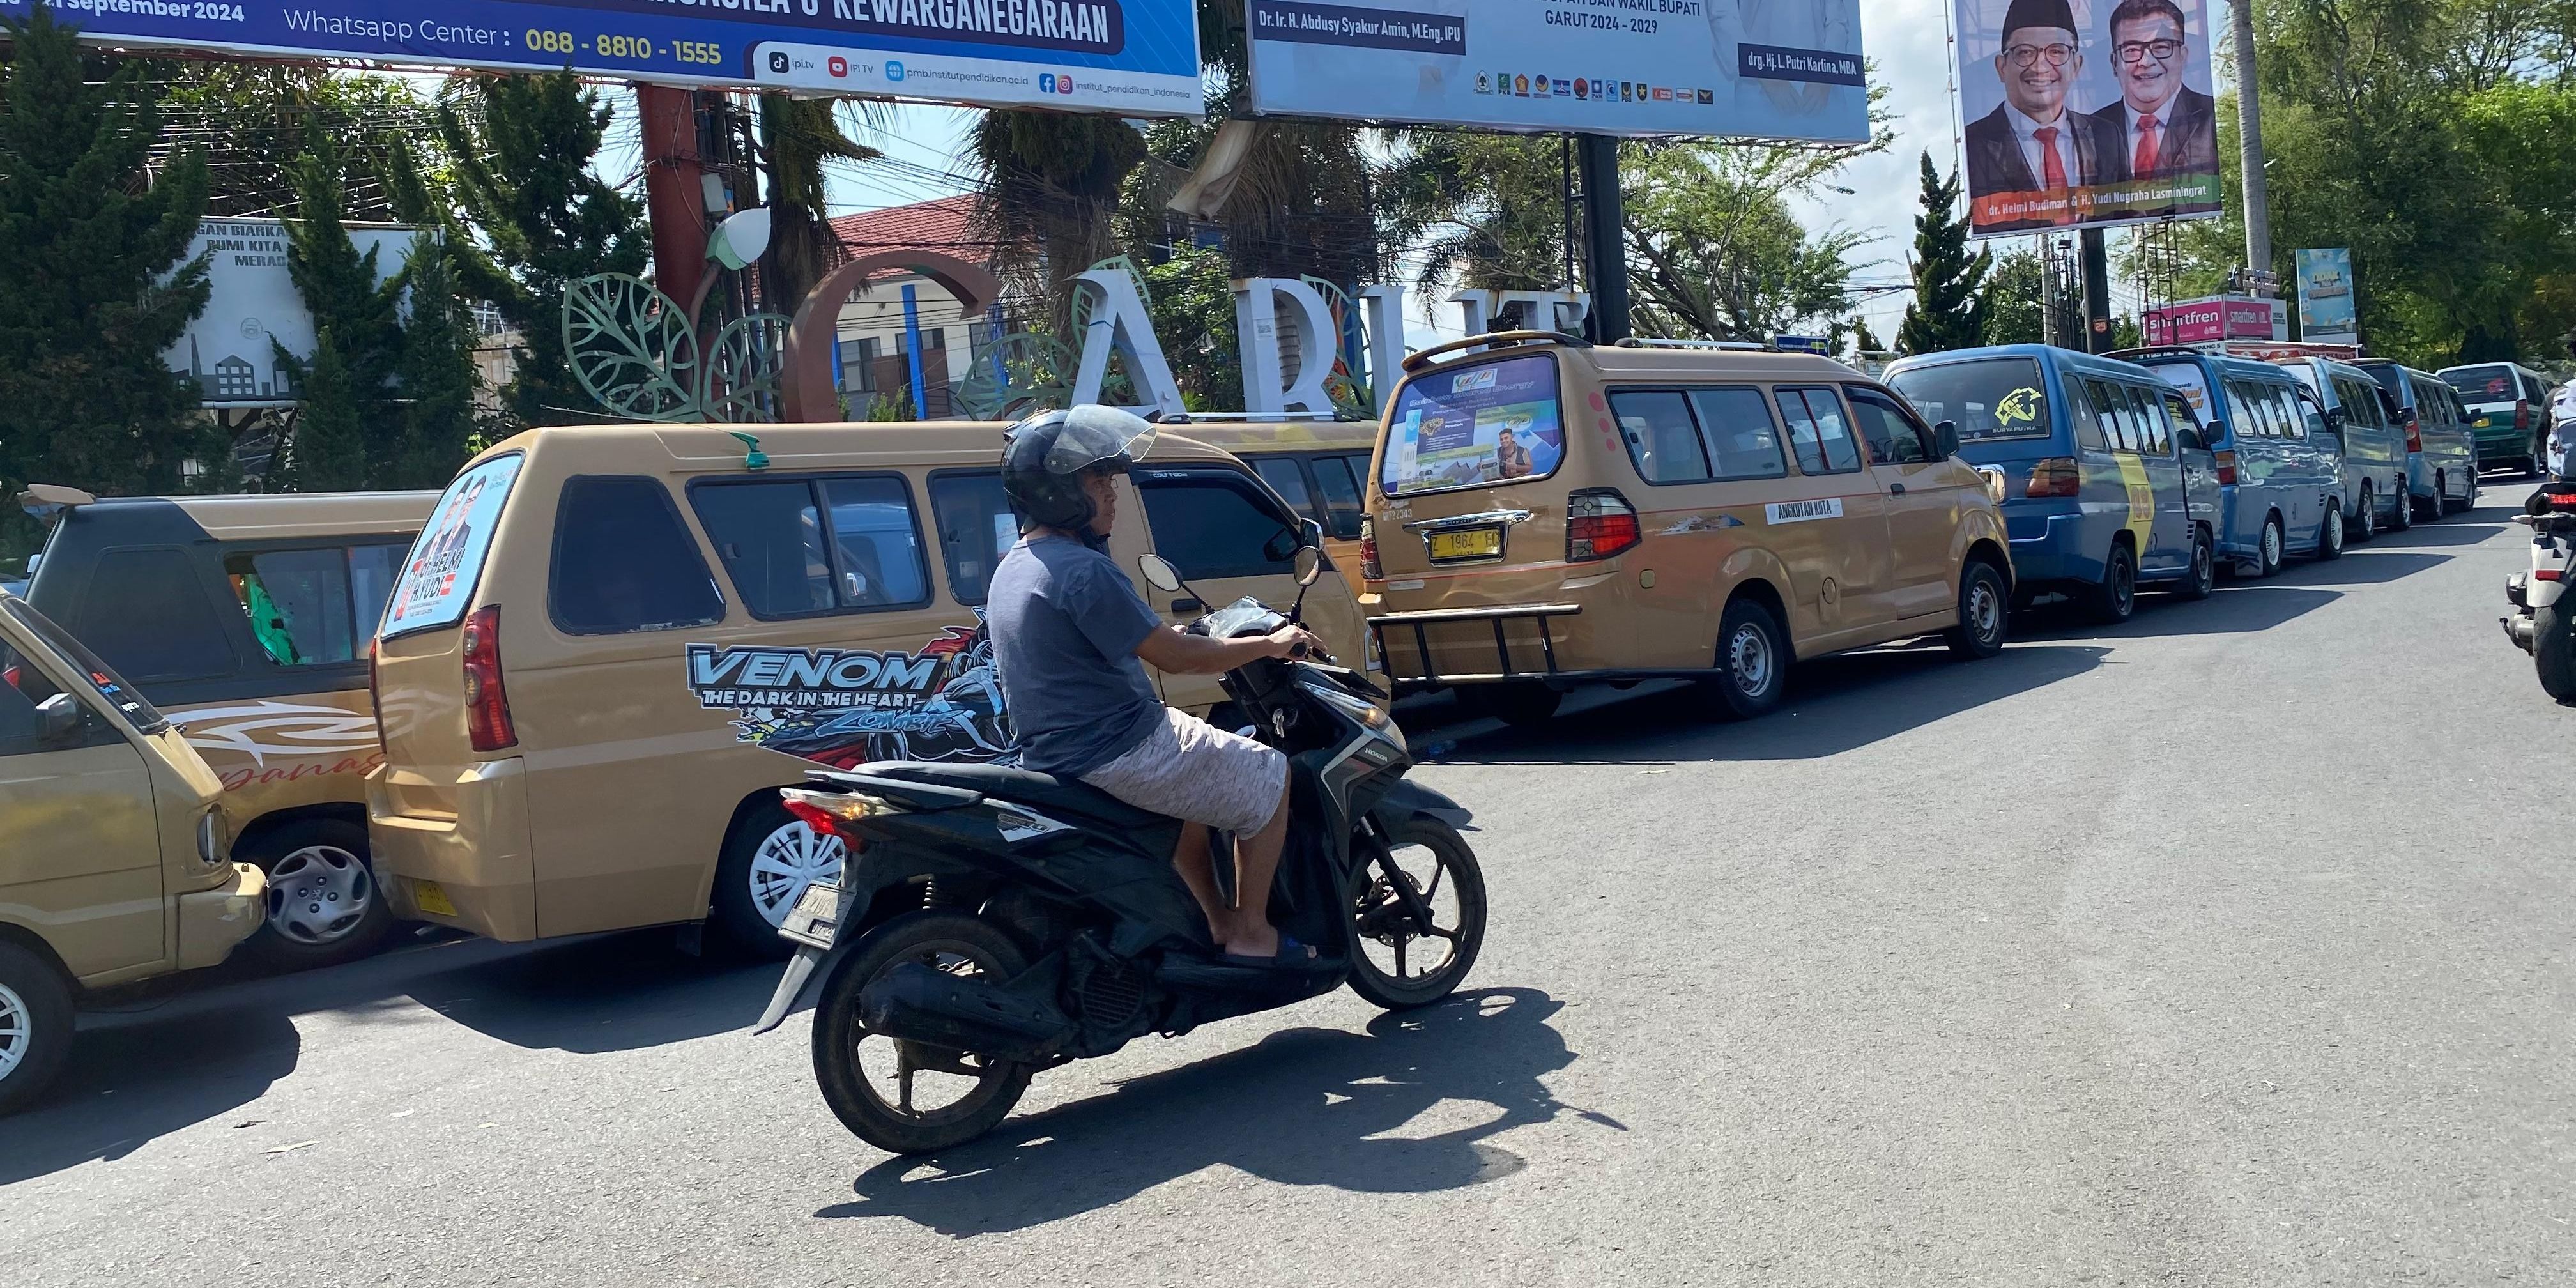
(252, 308)
(1788, 69)
(2218, 317)
(2086, 112)
(2325, 296)
(1133, 57)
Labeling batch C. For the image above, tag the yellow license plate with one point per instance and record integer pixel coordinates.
(1466, 543)
(430, 898)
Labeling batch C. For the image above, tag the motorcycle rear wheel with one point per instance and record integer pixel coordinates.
(947, 941)
(1443, 872)
(2553, 650)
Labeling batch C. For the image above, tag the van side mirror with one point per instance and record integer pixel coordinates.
(1945, 439)
(62, 716)
(2190, 440)
(1159, 573)
(1282, 545)
(1310, 533)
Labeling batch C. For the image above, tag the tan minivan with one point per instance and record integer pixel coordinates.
(1316, 463)
(245, 620)
(1544, 512)
(114, 863)
(613, 643)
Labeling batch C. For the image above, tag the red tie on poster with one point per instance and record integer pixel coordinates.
(2052, 170)
(2146, 159)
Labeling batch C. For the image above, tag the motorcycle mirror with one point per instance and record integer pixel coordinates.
(1159, 573)
(1310, 565)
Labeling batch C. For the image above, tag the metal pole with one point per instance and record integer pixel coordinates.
(912, 352)
(2097, 292)
(1606, 254)
(2249, 143)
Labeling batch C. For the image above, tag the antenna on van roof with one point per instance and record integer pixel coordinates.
(752, 457)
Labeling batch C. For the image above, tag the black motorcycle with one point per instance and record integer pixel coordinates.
(991, 922)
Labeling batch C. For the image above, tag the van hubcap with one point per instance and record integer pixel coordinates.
(318, 894)
(2271, 545)
(793, 857)
(1985, 611)
(1748, 656)
(17, 1027)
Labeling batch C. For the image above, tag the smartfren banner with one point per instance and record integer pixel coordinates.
(1131, 57)
(1782, 69)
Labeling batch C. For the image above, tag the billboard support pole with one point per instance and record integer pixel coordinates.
(1605, 252)
(2097, 292)
(675, 200)
(2249, 143)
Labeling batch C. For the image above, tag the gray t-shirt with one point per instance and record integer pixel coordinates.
(1065, 624)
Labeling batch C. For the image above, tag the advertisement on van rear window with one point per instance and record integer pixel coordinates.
(1986, 398)
(438, 576)
(1489, 423)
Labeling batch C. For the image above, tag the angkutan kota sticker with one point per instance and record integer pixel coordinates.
(845, 707)
(1802, 511)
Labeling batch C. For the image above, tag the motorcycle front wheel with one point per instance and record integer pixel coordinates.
(1414, 946)
(876, 1085)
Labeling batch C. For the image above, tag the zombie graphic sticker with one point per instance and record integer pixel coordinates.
(846, 707)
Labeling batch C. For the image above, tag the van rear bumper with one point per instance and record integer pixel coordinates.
(214, 922)
(478, 859)
(2048, 544)
(1405, 641)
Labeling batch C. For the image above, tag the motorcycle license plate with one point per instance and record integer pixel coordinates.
(1466, 543)
(815, 917)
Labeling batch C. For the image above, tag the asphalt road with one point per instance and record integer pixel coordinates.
(2228, 947)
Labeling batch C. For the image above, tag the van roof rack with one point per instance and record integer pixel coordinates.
(1190, 417)
(1494, 339)
(1663, 342)
(2147, 350)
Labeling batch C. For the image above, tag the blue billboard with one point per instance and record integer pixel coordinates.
(1130, 57)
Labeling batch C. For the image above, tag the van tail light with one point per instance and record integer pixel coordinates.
(2414, 431)
(1599, 523)
(2226, 466)
(487, 704)
(1369, 568)
(2522, 413)
(2056, 476)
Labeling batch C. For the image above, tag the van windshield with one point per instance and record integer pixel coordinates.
(2482, 387)
(1987, 398)
(1475, 425)
(36, 682)
(438, 576)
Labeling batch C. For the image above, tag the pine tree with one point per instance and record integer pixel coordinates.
(328, 451)
(1949, 308)
(523, 181)
(437, 373)
(97, 287)
(341, 289)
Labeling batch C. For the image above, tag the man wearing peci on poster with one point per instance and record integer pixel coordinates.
(2164, 127)
(2034, 142)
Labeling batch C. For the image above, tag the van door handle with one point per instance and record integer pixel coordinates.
(1187, 606)
(1896, 489)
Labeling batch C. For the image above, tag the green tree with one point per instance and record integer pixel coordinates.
(1949, 308)
(1714, 251)
(2015, 304)
(531, 217)
(329, 447)
(352, 299)
(1192, 302)
(253, 122)
(436, 371)
(1051, 188)
(804, 138)
(98, 287)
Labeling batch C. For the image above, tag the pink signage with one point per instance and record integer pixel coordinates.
(2217, 318)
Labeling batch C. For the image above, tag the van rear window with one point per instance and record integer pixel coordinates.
(1986, 398)
(1476, 425)
(439, 575)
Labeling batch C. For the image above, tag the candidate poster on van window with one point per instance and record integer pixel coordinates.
(2086, 112)
(1485, 424)
(447, 558)
(2325, 296)
(1783, 69)
(1132, 57)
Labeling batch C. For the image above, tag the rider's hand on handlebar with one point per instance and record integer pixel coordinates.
(1294, 642)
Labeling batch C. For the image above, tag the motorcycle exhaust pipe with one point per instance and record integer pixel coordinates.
(2518, 629)
(918, 1004)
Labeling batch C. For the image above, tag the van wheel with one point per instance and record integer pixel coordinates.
(323, 904)
(768, 861)
(2401, 516)
(2202, 577)
(1517, 705)
(2365, 516)
(35, 1025)
(1980, 632)
(2273, 548)
(2330, 532)
(2425, 511)
(1752, 663)
(2112, 601)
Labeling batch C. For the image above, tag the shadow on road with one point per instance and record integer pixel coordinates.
(1305, 1107)
(2462, 531)
(2378, 563)
(179, 1055)
(1834, 704)
(2237, 608)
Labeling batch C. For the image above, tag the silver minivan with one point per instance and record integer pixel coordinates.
(2376, 493)
(2441, 453)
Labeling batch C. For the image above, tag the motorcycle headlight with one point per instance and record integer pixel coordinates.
(1360, 709)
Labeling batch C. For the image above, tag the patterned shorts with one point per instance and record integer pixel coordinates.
(1192, 770)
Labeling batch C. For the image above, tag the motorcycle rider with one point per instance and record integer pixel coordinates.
(1068, 632)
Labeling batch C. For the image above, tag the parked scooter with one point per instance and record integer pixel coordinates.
(2543, 622)
(991, 922)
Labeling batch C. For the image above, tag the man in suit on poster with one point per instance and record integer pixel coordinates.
(2164, 127)
(2033, 142)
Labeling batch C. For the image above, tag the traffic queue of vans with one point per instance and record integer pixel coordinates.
(559, 696)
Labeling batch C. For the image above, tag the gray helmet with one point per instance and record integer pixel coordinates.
(1043, 459)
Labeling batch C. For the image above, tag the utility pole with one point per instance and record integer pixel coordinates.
(1605, 254)
(2249, 142)
(2097, 291)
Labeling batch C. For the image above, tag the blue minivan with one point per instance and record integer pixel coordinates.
(2374, 447)
(2098, 464)
(2280, 472)
(2441, 449)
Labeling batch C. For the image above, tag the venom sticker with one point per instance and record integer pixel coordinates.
(846, 707)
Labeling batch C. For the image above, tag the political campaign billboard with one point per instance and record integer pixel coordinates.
(1131, 57)
(1783, 69)
(2325, 296)
(2086, 112)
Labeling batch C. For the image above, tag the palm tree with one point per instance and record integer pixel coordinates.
(1051, 185)
(804, 136)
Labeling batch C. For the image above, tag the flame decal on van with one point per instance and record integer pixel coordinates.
(845, 707)
(287, 730)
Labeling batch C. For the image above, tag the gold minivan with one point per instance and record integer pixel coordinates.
(245, 620)
(612, 643)
(1316, 463)
(114, 864)
(1543, 512)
